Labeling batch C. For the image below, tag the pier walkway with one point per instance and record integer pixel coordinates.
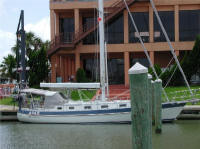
(8, 113)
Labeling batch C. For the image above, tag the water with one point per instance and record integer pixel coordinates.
(16, 135)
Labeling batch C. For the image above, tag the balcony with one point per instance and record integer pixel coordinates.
(70, 40)
(73, 0)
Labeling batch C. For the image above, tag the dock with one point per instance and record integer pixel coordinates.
(8, 113)
(190, 113)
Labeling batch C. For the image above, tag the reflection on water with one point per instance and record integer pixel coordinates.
(15, 135)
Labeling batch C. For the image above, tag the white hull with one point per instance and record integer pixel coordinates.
(167, 114)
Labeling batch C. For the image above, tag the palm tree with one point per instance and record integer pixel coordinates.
(36, 59)
(7, 66)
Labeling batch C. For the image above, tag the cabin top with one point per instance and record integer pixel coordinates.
(39, 92)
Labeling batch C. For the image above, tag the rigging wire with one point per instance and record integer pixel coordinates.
(170, 77)
(96, 63)
(170, 45)
(166, 67)
(145, 50)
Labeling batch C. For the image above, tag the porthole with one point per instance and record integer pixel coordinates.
(71, 108)
(87, 107)
(104, 106)
(122, 105)
(59, 108)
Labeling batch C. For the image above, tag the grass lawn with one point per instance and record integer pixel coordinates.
(182, 93)
(173, 93)
(86, 94)
(7, 101)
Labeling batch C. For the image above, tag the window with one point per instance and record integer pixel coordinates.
(114, 31)
(143, 61)
(91, 67)
(59, 108)
(71, 108)
(87, 107)
(67, 29)
(189, 24)
(142, 22)
(91, 38)
(116, 71)
(122, 105)
(89, 22)
(167, 18)
(104, 106)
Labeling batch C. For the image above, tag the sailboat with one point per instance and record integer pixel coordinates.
(42, 106)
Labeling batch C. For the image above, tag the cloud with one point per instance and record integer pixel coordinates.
(7, 41)
(41, 28)
(2, 8)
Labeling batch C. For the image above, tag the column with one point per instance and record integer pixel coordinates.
(52, 24)
(62, 73)
(126, 33)
(176, 17)
(53, 69)
(76, 17)
(126, 67)
(58, 66)
(151, 33)
(177, 52)
(57, 24)
(151, 53)
(77, 61)
(69, 66)
(73, 67)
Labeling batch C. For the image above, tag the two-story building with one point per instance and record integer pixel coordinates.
(74, 35)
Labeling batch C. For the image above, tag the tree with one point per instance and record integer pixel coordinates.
(39, 67)
(190, 64)
(36, 59)
(7, 66)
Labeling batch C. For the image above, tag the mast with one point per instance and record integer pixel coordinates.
(102, 49)
(21, 45)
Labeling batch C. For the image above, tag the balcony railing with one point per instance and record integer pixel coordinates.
(73, 0)
(71, 39)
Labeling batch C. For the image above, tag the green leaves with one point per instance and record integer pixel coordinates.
(81, 76)
(36, 59)
(190, 64)
(39, 67)
(7, 66)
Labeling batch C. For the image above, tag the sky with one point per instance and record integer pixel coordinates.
(36, 19)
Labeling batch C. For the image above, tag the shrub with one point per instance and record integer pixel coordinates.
(157, 69)
(81, 76)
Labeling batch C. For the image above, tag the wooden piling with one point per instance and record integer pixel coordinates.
(141, 129)
(150, 106)
(153, 103)
(158, 105)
